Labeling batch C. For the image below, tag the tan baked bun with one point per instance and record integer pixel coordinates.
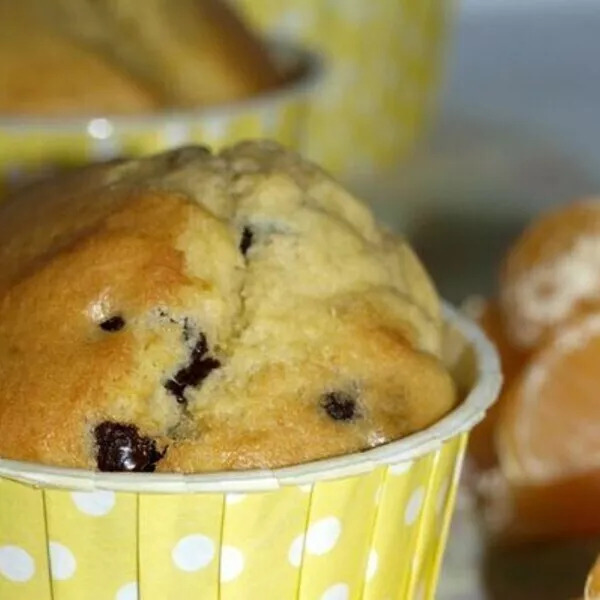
(43, 73)
(195, 312)
(63, 57)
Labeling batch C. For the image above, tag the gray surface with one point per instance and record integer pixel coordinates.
(464, 198)
(519, 131)
(531, 63)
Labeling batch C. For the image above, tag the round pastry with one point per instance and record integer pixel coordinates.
(197, 312)
(78, 57)
(44, 73)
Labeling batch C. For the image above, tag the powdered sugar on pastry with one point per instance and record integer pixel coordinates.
(547, 294)
(581, 431)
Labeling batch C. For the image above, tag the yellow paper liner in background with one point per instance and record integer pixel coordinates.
(362, 114)
(367, 526)
(384, 62)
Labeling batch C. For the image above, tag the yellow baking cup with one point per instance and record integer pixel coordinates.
(384, 59)
(30, 147)
(371, 525)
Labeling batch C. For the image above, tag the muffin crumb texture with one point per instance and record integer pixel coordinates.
(194, 312)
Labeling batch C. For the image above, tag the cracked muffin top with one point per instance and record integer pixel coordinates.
(195, 312)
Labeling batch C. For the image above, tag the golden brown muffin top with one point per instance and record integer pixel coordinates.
(195, 312)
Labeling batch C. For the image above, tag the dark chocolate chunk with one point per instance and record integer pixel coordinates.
(113, 324)
(200, 349)
(246, 241)
(120, 447)
(340, 406)
(194, 372)
(177, 389)
(187, 330)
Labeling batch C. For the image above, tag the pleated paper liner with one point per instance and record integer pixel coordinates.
(371, 525)
(31, 147)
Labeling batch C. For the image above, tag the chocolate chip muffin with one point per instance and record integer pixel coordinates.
(196, 312)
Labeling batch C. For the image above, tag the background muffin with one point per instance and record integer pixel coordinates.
(66, 58)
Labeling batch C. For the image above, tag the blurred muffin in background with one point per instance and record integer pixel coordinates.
(84, 81)
(77, 57)
(384, 62)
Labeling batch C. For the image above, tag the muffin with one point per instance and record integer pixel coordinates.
(63, 58)
(193, 312)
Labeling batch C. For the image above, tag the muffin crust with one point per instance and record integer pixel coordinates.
(197, 312)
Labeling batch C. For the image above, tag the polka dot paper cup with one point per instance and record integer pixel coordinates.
(30, 147)
(384, 60)
(370, 525)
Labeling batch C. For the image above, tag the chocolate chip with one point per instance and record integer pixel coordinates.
(340, 406)
(246, 240)
(187, 330)
(200, 349)
(113, 324)
(194, 372)
(120, 447)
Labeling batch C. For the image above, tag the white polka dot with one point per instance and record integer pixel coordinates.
(128, 592)
(323, 535)
(232, 563)
(193, 552)
(62, 561)
(339, 591)
(400, 468)
(372, 564)
(16, 564)
(441, 498)
(295, 551)
(305, 488)
(94, 504)
(414, 506)
(235, 498)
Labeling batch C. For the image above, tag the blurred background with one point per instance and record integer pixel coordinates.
(460, 122)
(516, 133)
(349, 83)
